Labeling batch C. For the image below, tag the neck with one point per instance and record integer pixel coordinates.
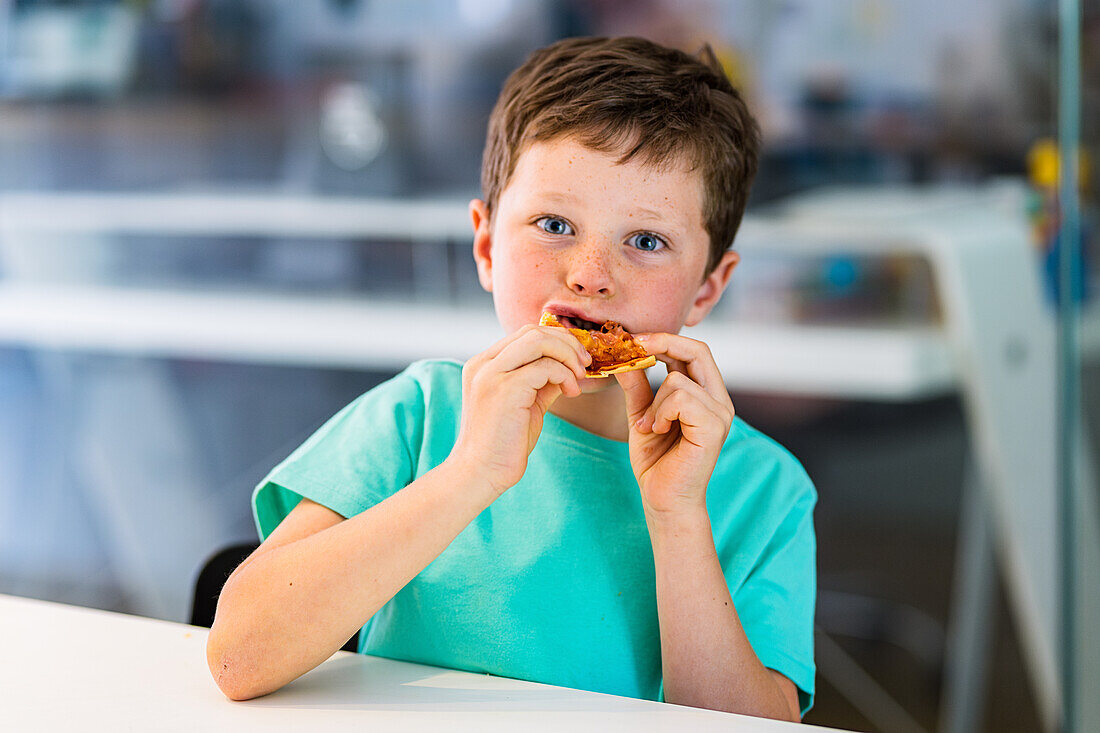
(602, 412)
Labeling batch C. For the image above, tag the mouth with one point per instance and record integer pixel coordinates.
(574, 319)
(573, 322)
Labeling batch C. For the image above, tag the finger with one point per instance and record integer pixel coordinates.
(689, 356)
(567, 337)
(699, 423)
(536, 343)
(673, 365)
(639, 394)
(526, 332)
(668, 387)
(676, 387)
(570, 338)
(548, 371)
(546, 396)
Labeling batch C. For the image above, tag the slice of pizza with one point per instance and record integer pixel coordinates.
(613, 349)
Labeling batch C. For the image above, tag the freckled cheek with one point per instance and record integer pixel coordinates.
(522, 290)
(665, 305)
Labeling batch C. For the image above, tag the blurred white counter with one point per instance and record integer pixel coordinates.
(358, 333)
(44, 234)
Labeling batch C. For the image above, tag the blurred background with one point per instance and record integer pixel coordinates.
(222, 220)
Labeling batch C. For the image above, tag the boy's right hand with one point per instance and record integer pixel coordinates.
(506, 391)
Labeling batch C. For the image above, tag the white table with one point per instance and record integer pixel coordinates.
(66, 667)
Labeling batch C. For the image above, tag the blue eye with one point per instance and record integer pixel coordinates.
(647, 242)
(554, 225)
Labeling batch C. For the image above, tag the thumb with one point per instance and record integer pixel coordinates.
(639, 395)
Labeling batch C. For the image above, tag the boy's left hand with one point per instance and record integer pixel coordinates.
(677, 434)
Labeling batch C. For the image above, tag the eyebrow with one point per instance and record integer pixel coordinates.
(650, 213)
(569, 198)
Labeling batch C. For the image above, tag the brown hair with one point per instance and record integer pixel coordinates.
(632, 96)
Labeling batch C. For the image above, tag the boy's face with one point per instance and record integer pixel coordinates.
(577, 234)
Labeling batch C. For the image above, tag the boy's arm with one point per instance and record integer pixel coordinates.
(318, 578)
(290, 606)
(706, 657)
(676, 437)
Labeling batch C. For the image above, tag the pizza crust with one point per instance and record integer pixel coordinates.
(641, 362)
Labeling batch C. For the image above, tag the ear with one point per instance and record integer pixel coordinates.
(483, 243)
(712, 288)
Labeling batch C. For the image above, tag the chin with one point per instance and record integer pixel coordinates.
(590, 385)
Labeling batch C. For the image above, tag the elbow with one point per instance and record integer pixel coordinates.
(236, 680)
(234, 692)
(790, 714)
(231, 653)
(238, 694)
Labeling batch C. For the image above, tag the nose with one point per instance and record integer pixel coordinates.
(589, 271)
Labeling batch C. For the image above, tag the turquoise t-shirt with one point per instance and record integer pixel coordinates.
(554, 582)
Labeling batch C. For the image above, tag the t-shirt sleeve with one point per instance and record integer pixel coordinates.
(362, 455)
(775, 603)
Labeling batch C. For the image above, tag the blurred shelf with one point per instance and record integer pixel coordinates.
(844, 361)
(232, 213)
(840, 362)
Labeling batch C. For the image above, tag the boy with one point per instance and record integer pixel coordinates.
(512, 516)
